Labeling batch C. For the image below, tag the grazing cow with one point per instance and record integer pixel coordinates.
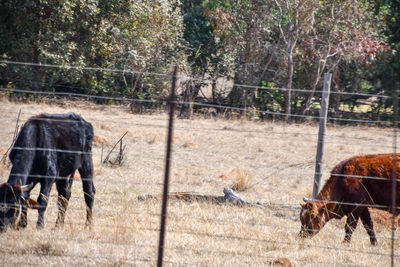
(364, 180)
(48, 149)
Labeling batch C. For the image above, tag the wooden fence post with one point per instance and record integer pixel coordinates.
(321, 134)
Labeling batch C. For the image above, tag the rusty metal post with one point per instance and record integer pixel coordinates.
(171, 103)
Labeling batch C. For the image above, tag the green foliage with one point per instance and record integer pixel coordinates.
(393, 31)
(198, 36)
(269, 98)
(109, 34)
(384, 72)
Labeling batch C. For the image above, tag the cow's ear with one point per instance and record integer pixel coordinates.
(32, 204)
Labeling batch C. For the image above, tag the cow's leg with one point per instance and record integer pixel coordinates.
(351, 224)
(89, 191)
(43, 200)
(64, 194)
(368, 225)
(86, 172)
(45, 188)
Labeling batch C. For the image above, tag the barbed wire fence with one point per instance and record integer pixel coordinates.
(172, 101)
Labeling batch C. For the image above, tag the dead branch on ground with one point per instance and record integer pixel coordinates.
(229, 197)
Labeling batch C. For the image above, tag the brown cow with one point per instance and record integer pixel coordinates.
(363, 180)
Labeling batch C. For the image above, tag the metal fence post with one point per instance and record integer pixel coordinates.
(394, 171)
(167, 169)
(321, 134)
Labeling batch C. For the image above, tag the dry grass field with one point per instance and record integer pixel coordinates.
(275, 160)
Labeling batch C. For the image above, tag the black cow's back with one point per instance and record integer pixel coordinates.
(62, 138)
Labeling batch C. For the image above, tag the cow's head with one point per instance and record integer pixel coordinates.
(11, 203)
(313, 216)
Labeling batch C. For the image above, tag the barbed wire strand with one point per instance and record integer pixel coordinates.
(340, 175)
(271, 206)
(69, 67)
(306, 137)
(130, 260)
(206, 81)
(249, 109)
(230, 237)
(219, 222)
(248, 131)
(238, 109)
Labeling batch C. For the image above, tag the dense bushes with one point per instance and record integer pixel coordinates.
(117, 47)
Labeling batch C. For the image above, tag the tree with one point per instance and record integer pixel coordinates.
(340, 31)
(199, 46)
(242, 30)
(384, 72)
(100, 34)
(393, 31)
(293, 22)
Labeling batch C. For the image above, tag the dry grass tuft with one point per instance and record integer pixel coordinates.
(189, 144)
(44, 248)
(116, 159)
(99, 139)
(3, 151)
(152, 138)
(98, 167)
(282, 262)
(242, 179)
(384, 218)
(4, 167)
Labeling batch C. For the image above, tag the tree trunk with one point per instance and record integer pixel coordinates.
(307, 103)
(191, 91)
(213, 90)
(289, 85)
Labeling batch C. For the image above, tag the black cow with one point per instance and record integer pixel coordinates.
(49, 148)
